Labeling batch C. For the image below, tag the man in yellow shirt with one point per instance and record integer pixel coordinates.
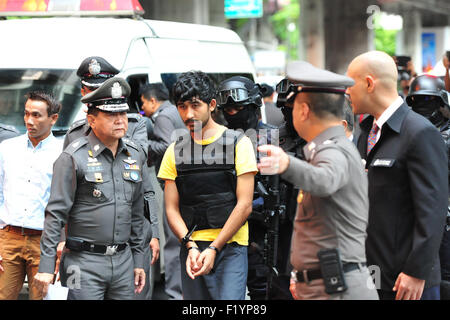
(209, 182)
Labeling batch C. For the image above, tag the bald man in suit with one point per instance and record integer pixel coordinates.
(405, 157)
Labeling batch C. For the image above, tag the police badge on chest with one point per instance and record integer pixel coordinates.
(131, 170)
(96, 193)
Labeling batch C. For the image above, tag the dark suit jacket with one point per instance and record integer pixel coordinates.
(408, 183)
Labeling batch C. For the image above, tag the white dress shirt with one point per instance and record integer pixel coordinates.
(387, 114)
(25, 179)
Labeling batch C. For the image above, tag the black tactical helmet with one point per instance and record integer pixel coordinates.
(428, 97)
(239, 90)
(245, 97)
(427, 86)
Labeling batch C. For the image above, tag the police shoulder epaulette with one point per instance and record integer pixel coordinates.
(134, 116)
(130, 143)
(77, 124)
(327, 142)
(325, 145)
(75, 145)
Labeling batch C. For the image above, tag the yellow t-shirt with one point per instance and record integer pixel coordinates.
(245, 162)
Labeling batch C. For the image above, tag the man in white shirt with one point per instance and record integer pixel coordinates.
(26, 168)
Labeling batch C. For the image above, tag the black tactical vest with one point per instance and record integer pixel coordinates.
(206, 180)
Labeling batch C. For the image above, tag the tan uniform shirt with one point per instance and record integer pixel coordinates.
(333, 204)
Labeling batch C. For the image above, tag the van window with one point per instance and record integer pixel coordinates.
(136, 82)
(15, 83)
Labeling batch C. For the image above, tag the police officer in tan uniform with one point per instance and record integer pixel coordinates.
(98, 192)
(327, 251)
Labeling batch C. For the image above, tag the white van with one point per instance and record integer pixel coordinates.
(44, 53)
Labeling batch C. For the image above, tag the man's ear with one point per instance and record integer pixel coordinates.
(212, 105)
(344, 124)
(54, 118)
(370, 81)
(305, 111)
(91, 120)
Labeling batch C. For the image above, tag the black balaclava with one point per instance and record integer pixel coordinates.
(245, 119)
(430, 110)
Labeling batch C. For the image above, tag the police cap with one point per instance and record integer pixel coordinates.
(316, 79)
(301, 76)
(111, 96)
(93, 71)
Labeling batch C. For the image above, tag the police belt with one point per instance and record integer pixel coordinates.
(95, 248)
(310, 275)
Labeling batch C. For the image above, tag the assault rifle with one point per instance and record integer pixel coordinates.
(270, 189)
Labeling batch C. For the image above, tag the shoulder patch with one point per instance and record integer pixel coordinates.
(130, 143)
(328, 142)
(77, 124)
(135, 117)
(75, 145)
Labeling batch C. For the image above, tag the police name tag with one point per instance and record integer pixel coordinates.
(94, 169)
(94, 164)
(383, 163)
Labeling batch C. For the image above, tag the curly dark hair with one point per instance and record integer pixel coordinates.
(193, 84)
